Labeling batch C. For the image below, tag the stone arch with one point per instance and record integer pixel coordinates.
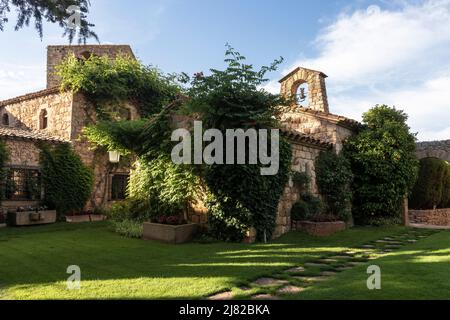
(317, 93)
(434, 149)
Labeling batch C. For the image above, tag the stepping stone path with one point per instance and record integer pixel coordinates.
(328, 266)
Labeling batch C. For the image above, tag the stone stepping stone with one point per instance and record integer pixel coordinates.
(311, 278)
(388, 238)
(341, 257)
(290, 290)
(222, 296)
(368, 246)
(266, 282)
(244, 288)
(412, 240)
(388, 241)
(296, 270)
(387, 251)
(327, 261)
(264, 297)
(328, 273)
(316, 265)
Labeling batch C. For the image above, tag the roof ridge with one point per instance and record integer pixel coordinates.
(29, 96)
(28, 133)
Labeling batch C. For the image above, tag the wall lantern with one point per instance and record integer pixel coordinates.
(114, 156)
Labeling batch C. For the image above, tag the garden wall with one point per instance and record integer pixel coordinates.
(438, 217)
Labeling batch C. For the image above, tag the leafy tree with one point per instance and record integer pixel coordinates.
(232, 99)
(383, 163)
(433, 185)
(334, 177)
(53, 11)
(66, 180)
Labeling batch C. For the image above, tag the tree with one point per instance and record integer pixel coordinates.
(384, 165)
(53, 11)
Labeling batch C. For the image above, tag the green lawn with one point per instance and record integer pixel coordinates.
(33, 263)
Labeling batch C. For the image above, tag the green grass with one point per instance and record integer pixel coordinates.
(33, 263)
(417, 271)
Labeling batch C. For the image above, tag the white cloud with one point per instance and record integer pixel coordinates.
(16, 80)
(398, 57)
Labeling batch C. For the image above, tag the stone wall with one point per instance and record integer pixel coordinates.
(318, 126)
(22, 153)
(303, 160)
(438, 217)
(26, 114)
(55, 54)
(434, 149)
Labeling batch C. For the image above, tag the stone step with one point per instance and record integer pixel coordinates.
(311, 278)
(316, 265)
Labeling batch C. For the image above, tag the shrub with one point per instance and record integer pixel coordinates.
(433, 185)
(129, 228)
(301, 180)
(334, 177)
(308, 207)
(383, 161)
(300, 211)
(66, 180)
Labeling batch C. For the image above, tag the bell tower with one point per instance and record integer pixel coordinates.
(307, 87)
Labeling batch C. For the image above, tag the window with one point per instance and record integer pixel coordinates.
(119, 184)
(5, 119)
(43, 119)
(22, 184)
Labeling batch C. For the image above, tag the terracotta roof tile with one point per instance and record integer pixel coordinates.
(29, 96)
(305, 138)
(16, 133)
(340, 120)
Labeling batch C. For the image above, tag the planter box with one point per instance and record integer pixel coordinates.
(29, 218)
(168, 233)
(85, 218)
(2, 225)
(321, 229)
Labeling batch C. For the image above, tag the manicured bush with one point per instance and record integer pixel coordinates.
(334, 177)
(67, 182)
(307, 208)
(383, 161)
(433, 185)
(300, 211)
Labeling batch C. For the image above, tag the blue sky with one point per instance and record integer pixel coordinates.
(395, 52)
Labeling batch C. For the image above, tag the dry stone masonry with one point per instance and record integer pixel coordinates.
(434, 149)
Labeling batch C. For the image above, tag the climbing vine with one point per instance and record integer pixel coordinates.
(66, 180)
(110, 83)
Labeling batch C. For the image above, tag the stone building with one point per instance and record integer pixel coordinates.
(59, 117)
(53, 116)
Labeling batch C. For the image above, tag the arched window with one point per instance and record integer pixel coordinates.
(43, 119)
(84, 55)
(5, 119)
(302, 95)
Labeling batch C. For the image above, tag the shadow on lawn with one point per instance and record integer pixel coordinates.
(33, 256)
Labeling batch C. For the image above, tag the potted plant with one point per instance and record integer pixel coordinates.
(170, 228)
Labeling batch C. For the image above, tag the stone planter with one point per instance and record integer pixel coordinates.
(170, 234)
(85, 218)
(2, 225)
(29, 218)
(321, 229)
